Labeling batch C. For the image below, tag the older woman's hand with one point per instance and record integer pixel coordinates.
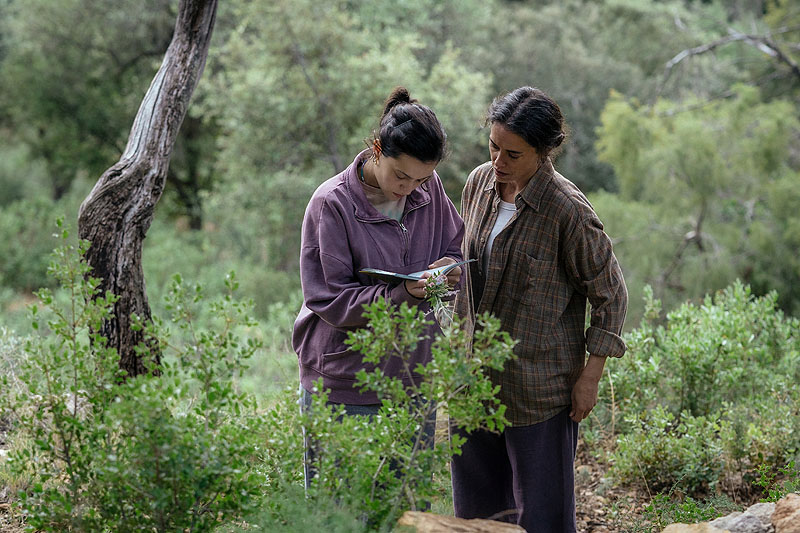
(584, 393)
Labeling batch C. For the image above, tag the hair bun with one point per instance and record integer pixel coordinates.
(399, 95)
(558, 140)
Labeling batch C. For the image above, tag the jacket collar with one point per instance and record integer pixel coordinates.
(533, 191)
(365, 210)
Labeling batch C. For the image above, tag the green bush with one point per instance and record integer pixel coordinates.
(289, 511)
(26, 243)
(276, 365)
(377, 468)
(709, 393)
(206, 257)
(776, 488)
(761, 432)
(173, 452)
(21, 175)
(665, 451)
(666, 509)
(730, 348)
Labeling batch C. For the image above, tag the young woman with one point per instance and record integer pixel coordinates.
(387, 210)
(542, 253)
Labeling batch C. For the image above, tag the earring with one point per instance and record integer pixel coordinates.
(376, 150)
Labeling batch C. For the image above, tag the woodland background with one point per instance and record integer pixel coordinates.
(684, 131)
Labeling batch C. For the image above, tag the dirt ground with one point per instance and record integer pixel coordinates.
(599, 507)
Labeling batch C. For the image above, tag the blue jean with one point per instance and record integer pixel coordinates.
(523, 475)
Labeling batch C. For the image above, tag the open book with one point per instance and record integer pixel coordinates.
(394, 277)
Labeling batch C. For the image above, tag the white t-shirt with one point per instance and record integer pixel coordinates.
(507, 211)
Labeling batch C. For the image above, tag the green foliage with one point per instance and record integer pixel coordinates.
(774, 488)
(663, 451)
(732, 346)
(208, 256)
(666, 509)
(20, 176)
(711, 181)
(71, 88)
(557, 46)
(289, 512)
(25, 243)
(712, 392)
(168, 452)
(378, 467)
(314, 104)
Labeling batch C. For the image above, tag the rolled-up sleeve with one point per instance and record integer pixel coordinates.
(594, 269)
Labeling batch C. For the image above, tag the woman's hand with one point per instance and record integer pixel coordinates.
(416, 288)
(584, 393)
(454, 275)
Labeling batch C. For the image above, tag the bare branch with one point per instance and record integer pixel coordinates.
(764, 43)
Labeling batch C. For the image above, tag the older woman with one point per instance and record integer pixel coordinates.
(542, 253)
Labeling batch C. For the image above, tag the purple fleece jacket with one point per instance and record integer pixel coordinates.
(343, 233)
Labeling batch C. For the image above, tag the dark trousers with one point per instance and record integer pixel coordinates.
(523, 475)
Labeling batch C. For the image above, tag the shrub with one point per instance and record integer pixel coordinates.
(377, 468)
(25, 243)
(710, 394)
(666, 451)
(731, 348)
(776, 488)
(666, 509)
(764, 431)
(166, 453)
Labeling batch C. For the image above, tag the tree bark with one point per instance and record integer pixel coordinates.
(117, 213)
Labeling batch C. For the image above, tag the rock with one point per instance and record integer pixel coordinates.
(786, 517)
(742, 523)
(763, 511)
(693, 528)
(756, 519)
(723, 521)
(433, 523)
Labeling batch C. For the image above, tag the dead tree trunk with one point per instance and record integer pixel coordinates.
(117, 213)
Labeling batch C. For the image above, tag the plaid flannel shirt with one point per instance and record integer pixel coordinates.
(551, 257)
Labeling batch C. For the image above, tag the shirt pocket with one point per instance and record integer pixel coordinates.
(536, 300)
(540, 289)
(529, 280)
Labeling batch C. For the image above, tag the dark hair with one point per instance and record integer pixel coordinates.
(410, 128)
(532, 115)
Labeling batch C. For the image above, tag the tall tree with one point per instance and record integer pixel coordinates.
(72, 74)
(705, 194)
(117, 213)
